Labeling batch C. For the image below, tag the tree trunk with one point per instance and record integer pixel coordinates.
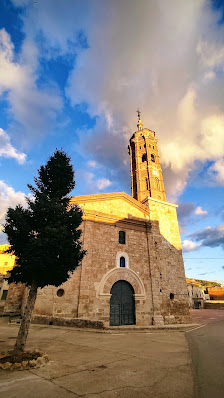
(26, 319)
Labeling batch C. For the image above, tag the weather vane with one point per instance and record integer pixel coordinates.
(139, 113)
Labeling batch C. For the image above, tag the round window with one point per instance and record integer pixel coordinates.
(60, 292)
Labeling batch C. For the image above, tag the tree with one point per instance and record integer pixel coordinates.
(45, 235)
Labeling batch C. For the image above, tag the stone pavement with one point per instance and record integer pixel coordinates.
(204, 316)
(153, 363)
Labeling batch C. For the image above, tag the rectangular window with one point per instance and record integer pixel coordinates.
(122, 237)
(4, 294)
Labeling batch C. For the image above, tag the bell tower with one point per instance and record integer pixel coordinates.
(146, 172)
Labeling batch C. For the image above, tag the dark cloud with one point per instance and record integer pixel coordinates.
(109, 149)
(210, 237)
(185, 210)
(223, 267)
(206, 273)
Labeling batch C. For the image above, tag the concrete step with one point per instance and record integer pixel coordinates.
(15, 319)
(214, 305)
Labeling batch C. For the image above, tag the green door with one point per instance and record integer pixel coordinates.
(122, 304)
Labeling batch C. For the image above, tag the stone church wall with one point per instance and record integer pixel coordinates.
(48, 303)
(168, 276)
(101, 258)
(154, 267)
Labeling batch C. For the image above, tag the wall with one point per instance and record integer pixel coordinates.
(155, 264)
(195, 295)
(216, 293)
(118, 205)
(48, 303)
(101, 258)
(7, 261)
(14, 301)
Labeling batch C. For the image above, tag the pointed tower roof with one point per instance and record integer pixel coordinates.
(140, 124)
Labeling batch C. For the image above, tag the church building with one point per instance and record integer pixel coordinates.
(133, 272)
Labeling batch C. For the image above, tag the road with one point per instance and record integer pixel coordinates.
(206, 345)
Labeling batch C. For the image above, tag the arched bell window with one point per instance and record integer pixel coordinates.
(144, 157)
(122, 262)
(153, 157)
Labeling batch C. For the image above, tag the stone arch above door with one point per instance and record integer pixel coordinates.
(117, 274)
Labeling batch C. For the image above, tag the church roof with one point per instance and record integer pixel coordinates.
(115, 205)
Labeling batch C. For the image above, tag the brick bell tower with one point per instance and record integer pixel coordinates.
(146, 172)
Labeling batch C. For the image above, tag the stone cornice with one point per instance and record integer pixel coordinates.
(145, 201)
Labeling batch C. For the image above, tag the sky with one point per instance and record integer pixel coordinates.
(74, 72)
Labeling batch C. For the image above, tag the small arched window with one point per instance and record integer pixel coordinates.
(153, 157)
(122, 262)
(144, 157)
(171, 296)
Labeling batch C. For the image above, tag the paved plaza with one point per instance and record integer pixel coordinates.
(104, 364)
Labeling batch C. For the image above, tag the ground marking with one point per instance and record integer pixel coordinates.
(190, 330)
(8, 383)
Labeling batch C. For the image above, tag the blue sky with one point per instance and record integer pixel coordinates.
(72, 75)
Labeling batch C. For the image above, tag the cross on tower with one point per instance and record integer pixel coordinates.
(139, 113)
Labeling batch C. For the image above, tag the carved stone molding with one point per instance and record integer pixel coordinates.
(117, 274)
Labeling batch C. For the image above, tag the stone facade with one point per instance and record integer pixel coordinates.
(148, 260)
(154, 264)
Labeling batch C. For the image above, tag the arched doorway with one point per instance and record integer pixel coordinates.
(122, 304)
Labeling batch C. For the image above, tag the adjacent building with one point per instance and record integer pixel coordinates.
(7, 262)
(196, 294)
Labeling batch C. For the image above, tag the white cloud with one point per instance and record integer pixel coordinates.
(200, 212)
(168, 81)
(92, 163)
(188, 246)
(9, 198)
(7, 150)
(167, 60)
(90, 183)
(103, 183)
(33, 109)
(217, 171)
(211, 54)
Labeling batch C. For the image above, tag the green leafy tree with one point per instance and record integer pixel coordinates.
(45, 236)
